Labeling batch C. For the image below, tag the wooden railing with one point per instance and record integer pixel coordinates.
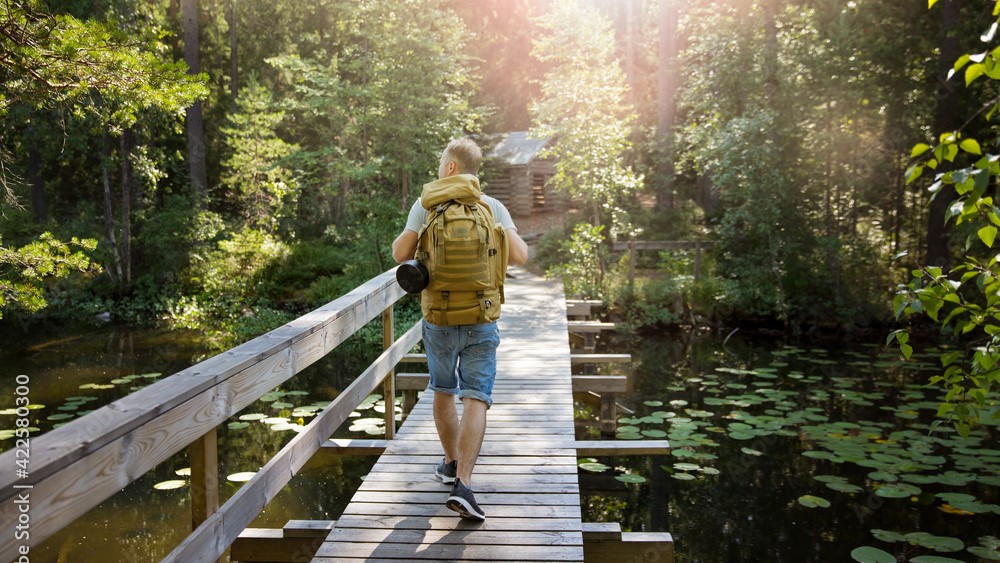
(75, 467)
(634, 245)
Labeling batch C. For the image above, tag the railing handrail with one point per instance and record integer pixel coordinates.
(662, 245)
(75, 467)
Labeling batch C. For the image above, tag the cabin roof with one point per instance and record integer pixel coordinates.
(516, 148)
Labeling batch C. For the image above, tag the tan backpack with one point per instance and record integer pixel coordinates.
(465, 252)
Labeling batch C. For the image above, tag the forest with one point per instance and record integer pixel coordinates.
(227, 165)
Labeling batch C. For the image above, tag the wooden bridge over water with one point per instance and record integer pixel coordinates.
(526, 477)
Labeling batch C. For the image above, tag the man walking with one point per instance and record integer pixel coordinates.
(460, 335)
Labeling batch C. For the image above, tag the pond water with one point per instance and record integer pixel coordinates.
(74, 370)
(795, 454)
(739, 417)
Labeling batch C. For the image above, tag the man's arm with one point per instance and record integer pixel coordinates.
(518, 255)
(405, 246)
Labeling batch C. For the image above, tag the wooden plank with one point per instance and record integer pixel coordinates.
(461, 537)
(530, 460)
(577, 359)
(600, 383)
(601, 531)
(350, 446)
(481, 468)
(204, 456)
(485, 498)
(450, 523)
(585, 327)
(266, 545)
(389, 383)
(585, 448)
(438, 509)
(633, 546)
(663, 245)
(448, 552)
(412, 381)
(307, 528)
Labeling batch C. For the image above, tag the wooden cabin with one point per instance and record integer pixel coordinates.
(514, 174)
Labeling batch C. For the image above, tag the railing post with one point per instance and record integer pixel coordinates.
(389, 384)
(609, 414)
(204, 453)
(697, 260)
(631, 265)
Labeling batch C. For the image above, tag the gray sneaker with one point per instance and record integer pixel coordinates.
(447, 471)
(463, 502)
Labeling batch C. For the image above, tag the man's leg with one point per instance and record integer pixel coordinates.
(446, 422)
(470, 436)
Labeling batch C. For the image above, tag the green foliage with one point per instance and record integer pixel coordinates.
(258, 185)
(25, 270)
(58, 60)
(179, 232)
(965, 299)
(782, 117)
(653, 302)
(232, 268)
(309, 266)
(583, 271)
(582, 106)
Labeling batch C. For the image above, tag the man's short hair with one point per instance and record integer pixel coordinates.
(465, 153)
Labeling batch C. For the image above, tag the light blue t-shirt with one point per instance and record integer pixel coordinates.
(418, 215)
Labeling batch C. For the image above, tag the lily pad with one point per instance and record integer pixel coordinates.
(868, 554)
(897, 490)
(985, 553)
(845, 487)
(750, 451)
(812, 501)
(253, 416)
(171, 484)
(630, 478)
(887, 535)
(937, 543)
(934, 559)
(683, 476)
(653, 403)
(593, 466)
(237, 425)
(241, 477)
(183, 472)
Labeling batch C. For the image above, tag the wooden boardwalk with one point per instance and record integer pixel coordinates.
(526, 476)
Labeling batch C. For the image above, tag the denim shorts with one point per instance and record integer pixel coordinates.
(462, 359)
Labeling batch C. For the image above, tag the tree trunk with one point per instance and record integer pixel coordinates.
(945, 119)
(771, 43)
(194, 122)
(37, 182)
(893, 127)
(666, 102)
(234, 67)
(127, 197)
(406, 190)
(109, 215)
